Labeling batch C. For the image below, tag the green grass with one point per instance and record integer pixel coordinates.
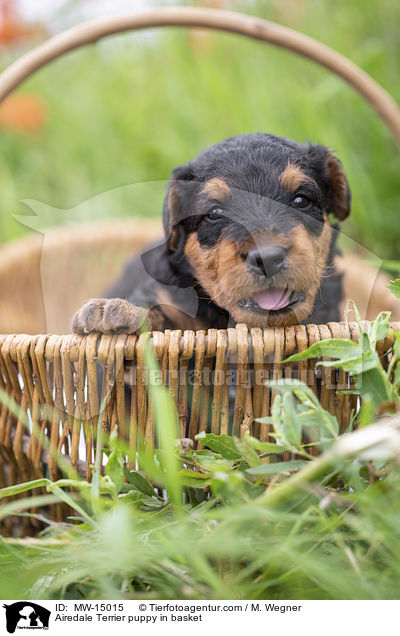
(128, 113)
(130, 110)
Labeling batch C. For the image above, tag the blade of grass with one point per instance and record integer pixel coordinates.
(166, 421)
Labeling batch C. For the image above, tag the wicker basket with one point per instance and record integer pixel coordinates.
(58, 374)
(61, 371)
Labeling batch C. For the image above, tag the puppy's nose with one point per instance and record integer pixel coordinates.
(267, 261)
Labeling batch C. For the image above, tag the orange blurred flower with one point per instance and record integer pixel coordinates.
(12, 28)
(24, 112)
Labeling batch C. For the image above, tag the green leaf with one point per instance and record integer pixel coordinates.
(379, 328)
(302, 391)
(132, 497)
(247, 451)
(267, 447)
(278, 467)
(114, 468)
(265, 420)
(355, 366)
(215, 464)
(394, 286)
(206, 454)
(334, 348)
(396, 378)
(140, 482)
(291, 422)
(358, 317)
(193, 474)
(152, 503)
(9, 491)
(366, 413)
(191, 479)
(223, 444)
(374, 385)
(308, 413)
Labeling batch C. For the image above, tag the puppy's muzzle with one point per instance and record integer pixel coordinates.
(266, 262)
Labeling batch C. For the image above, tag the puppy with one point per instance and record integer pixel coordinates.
(247, 239)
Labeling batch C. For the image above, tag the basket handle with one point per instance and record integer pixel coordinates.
(221, 20)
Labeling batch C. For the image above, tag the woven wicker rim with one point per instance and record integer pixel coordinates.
(221, 20)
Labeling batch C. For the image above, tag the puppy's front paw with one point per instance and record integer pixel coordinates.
(108, 315)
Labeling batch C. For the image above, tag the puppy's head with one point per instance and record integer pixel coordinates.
(250, 216)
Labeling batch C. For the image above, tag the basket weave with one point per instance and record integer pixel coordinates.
(44, 280)
(58, 373)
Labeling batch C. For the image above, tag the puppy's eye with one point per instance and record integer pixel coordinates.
(214, 214)
(302, 202)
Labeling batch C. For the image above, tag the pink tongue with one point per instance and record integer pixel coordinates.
(275, 298)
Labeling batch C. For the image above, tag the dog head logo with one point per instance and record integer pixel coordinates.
(26, 615)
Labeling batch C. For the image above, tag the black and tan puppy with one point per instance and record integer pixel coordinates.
(248, 239)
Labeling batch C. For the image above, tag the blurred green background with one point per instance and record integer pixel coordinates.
(130, 109)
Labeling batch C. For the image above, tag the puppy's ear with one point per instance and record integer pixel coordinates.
(177, 203)
(339, 195)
